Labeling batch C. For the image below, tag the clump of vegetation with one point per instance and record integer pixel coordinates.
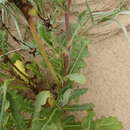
(40, 67)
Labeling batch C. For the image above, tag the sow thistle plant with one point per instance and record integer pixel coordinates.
(38, 79)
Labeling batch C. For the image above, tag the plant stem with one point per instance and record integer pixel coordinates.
(68, 35)
(31, 18)
(71, 126)
(67, 11)
(43, 52)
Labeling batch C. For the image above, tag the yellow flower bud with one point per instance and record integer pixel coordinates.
(32, 12)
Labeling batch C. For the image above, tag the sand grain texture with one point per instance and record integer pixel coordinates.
(108, 67)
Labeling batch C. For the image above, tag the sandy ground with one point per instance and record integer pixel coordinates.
(108, 77)
(108, 67)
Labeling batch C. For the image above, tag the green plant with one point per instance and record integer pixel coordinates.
(38, 94)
